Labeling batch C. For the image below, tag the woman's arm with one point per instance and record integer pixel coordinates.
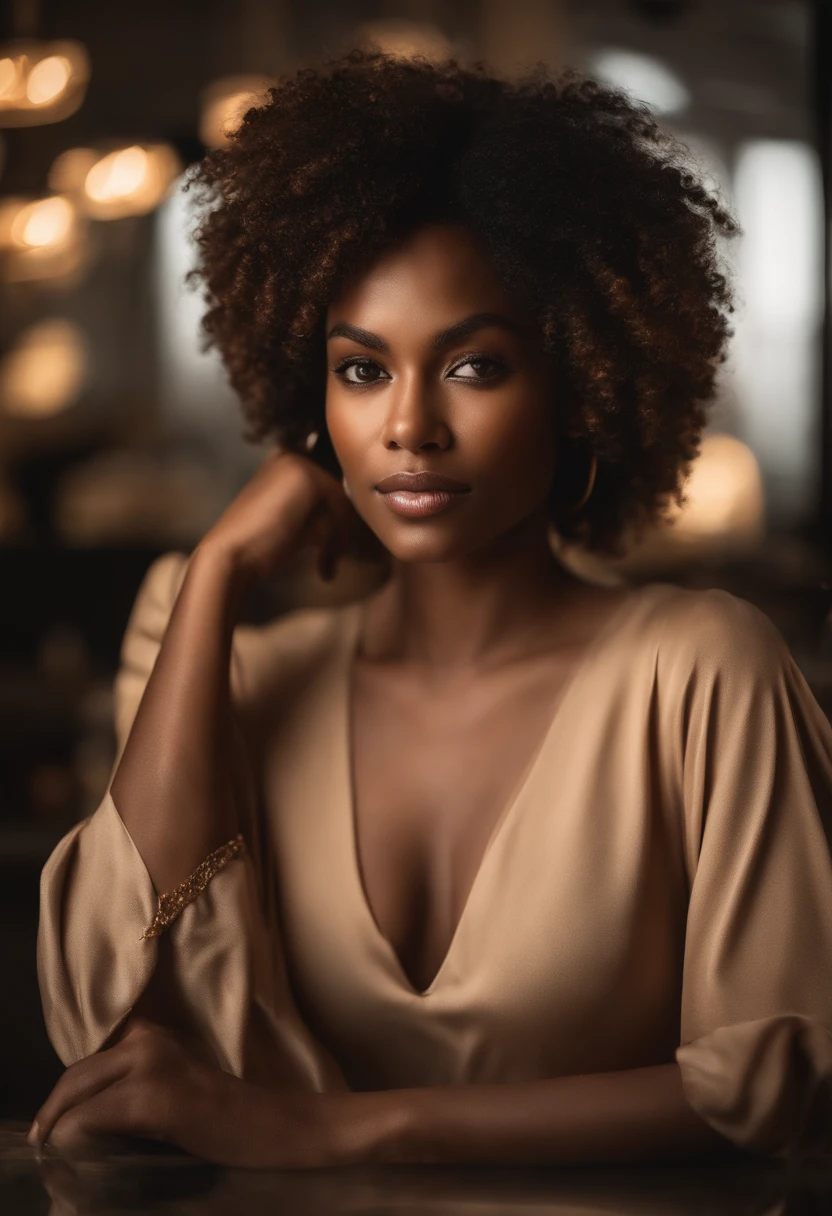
(637, 1114)
(170, 803)
(148, 1086)
(172, 786)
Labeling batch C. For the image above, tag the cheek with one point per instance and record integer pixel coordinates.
(344, 423)
(515, 439)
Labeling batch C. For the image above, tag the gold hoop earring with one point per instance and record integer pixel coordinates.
(590, 485)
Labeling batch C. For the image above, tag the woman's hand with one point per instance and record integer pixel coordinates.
(151, 1086)
(289, 504)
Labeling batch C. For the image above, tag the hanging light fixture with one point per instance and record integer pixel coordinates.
(40, 237)
(113, 183)
(41, 82)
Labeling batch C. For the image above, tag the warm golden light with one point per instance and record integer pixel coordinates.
(45, 371)
(225, 103)
(128, 181)
(48, 79)
(406, 39)
(10, 73)
(69, 170)
(724, 495)
(40, 238)
(723, 515)
(47, 222)
(41, 81)
(116, 175)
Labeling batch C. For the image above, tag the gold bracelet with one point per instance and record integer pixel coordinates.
(172, 902)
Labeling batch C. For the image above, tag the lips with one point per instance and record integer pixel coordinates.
(417, 495)
(419, 482)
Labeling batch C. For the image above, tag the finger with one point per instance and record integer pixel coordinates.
(80, 1082)
(126, 1108)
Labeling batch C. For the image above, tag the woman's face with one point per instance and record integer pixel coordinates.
(433, 367)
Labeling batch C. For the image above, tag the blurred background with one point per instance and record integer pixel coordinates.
(120, 439)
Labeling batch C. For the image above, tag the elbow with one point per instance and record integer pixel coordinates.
(765, 1085)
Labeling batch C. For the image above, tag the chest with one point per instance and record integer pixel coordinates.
(433, 776)
(565, 956)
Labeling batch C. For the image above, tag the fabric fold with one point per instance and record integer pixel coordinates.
(97, 900)
(756, 784)
(764, 1084)
(666, 886)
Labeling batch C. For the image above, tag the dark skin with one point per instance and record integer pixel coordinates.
(465, 652)
(467, 647)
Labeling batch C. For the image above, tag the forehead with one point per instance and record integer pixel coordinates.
(437, 275)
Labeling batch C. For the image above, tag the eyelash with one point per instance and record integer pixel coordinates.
(471, 357)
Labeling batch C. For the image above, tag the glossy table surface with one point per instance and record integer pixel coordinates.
(159, 1181)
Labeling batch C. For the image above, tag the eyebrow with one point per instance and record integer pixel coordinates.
(446, 337)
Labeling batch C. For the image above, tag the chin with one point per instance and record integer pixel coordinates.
(415, 544)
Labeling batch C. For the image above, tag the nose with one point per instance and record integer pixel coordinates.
(414, 420)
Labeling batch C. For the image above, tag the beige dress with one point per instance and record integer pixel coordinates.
(658, 887)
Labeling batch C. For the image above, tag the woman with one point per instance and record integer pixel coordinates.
(491, 866)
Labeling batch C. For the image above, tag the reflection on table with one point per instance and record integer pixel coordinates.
(140, 1178)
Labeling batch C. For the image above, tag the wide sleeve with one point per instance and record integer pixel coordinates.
(755, 767)
(225, 953)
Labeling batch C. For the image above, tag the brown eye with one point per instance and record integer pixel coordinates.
(361, 371)
(483, 367)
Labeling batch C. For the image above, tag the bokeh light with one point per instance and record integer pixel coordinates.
(41, 82)
(40, 238)
(69, 170)
(724, 493)
(129, 181)
(48, 79)
(406, 39)
(47, 222)
(646, 78)
(723, 516)
(225, 103)
(45, 371)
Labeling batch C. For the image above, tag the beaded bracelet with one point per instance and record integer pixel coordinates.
(172, 902)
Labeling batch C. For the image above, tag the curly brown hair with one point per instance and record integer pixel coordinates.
(585, 206)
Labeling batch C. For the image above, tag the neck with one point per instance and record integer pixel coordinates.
(459, 613)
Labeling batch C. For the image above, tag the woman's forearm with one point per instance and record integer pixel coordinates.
(637, 1114)
(173, 784)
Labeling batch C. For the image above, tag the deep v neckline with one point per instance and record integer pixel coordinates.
(507, 814)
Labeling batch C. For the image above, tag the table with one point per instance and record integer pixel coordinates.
(168, 1183)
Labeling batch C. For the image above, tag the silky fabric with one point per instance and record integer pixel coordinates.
(657, 888)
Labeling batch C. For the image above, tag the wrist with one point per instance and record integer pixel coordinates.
(214, 553)
(373, 1128)
(221, 570)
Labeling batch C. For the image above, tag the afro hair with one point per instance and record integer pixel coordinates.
(584, 204)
